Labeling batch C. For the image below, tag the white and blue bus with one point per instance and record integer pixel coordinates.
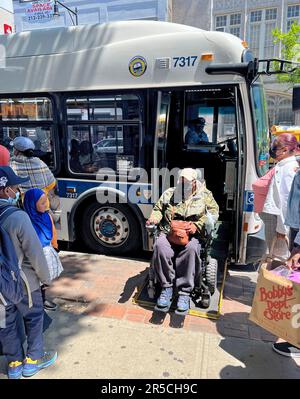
(121, 97)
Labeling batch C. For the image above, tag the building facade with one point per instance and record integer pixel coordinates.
(253, 21)
(40, 14)
(6, 17)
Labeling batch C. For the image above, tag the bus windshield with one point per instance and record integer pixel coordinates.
(261, 130)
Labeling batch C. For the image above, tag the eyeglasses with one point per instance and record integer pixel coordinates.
(275, 148)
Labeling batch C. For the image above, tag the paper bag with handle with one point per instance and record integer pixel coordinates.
(276, 305)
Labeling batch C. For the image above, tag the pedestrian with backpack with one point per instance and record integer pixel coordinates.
(27, 252)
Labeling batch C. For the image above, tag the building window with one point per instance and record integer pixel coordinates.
(293, 15)
(269, 47)
(232, 24)
(235, 19)
(256, 16)
(254, 38)
(236, 30)
(271, 13)
(221, 21)
(293, 11)
(261, 39)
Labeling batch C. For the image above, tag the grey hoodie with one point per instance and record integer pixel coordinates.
(28, 248)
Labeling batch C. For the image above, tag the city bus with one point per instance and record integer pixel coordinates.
(109, 104)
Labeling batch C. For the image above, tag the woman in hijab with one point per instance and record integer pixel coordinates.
(35, 204)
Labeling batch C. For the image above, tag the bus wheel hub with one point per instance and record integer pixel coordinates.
(110, 226)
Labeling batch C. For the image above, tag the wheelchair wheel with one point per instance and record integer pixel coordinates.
(205, 300)
(211, 274)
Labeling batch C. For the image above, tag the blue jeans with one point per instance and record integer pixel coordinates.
(11, 336)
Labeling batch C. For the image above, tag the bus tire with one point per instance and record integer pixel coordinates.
(212, 274)
(110, 229)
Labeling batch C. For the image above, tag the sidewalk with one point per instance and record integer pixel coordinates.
(99, 333)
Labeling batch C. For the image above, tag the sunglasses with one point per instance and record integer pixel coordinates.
(276, 148)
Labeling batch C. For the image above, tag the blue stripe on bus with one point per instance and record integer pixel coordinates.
(72, 189)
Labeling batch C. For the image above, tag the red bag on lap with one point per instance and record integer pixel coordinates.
(178, 234)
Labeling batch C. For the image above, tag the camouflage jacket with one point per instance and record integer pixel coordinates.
(194, 209)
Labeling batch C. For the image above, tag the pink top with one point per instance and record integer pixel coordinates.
(4, 156)
(261, 188)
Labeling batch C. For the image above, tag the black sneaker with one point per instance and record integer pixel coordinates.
(286, 349)
(48, 305)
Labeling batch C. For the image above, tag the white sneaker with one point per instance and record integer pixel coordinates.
(286, 349)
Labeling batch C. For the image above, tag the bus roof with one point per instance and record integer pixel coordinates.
(118, 55)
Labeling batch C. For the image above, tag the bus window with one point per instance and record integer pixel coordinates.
(113, 143)
(26, 109)
(41, 136)
(210, 119)
(102, 146)
(16, 119)
(261, 128)
(106, 107)
(227, 129)
(198, 122)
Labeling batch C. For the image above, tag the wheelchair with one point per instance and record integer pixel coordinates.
(205, 282)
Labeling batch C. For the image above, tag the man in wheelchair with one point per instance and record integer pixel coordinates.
(176, 252)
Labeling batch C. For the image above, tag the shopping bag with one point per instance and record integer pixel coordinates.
(276, 305)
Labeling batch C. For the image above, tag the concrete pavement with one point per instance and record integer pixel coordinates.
(99, 333)
(93, 347)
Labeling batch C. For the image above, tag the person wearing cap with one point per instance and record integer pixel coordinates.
(34, 265)
(24, 163)
(4, 156)
(196, 134)
(189, 201)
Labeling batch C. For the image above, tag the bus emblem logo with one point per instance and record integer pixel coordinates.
(137, 66)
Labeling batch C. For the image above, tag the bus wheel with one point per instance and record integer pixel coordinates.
(110, 229)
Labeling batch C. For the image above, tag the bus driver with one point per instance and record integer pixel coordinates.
(196, 133)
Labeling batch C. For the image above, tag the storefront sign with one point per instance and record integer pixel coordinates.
(39, 12)
(7, 29)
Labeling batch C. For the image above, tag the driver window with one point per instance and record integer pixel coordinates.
(210, 120)
(198, 128)
(227, 128)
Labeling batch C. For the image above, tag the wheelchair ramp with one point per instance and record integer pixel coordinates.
(219, 250)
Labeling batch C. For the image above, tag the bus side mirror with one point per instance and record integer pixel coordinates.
(296, 97)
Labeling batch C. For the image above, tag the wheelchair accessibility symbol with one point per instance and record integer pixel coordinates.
(249, 201)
